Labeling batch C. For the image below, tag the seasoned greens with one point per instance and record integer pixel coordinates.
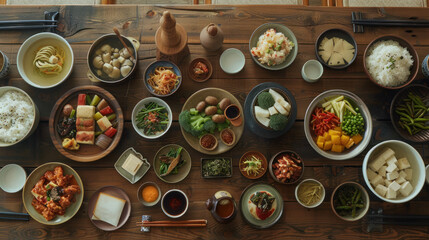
(216, 167)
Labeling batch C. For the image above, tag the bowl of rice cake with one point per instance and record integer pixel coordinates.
(336, 49)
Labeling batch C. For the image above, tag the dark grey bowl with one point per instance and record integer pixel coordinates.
(340, 34)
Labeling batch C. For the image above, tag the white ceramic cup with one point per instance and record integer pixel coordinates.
(232, 61)
(312, 71)
(12, 178)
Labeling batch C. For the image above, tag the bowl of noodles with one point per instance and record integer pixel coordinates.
(45, 60)
(162, 78)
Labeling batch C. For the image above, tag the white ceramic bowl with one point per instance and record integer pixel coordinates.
(12, 178)
(140, 105)
(355, 101)
(315, 204)
(164, 199)
(35, 123)
(232, 60)
(27, 53)
(401, 149)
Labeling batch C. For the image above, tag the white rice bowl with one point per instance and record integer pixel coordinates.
(17, 115)
(389, 63)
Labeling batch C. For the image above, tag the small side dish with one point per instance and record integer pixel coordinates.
(253, 165)
(272, 110)
(286, 167)
(112, 63)
(227, 136)
(336, 51)
(200, 69)
(413, 112)
(208, 142)
(174, 203)
(349, 201)
(171, 162)
(272, 48)
(54, 193)
(310, 193)
(132, 165)
(152, 119)
(216, 167)
(149, 194)
(262, 205)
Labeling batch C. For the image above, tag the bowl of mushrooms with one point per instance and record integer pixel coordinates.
(109, 61)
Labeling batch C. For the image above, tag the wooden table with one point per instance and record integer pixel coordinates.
(81, 25)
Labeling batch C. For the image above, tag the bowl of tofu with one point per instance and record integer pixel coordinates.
(394, 171)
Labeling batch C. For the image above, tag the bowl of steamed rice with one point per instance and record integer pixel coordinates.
(391, 62)
(19, 116)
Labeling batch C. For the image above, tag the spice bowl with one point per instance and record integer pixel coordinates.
(174, 203)
(208, 142)
(227, 136)
(359, 213)
(306, 185)
(294, 159)
(149, 194)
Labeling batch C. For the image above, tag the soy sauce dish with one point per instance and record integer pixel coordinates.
(174, 203)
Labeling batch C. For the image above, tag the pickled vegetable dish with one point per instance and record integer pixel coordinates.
(348, 201)
(216, 167)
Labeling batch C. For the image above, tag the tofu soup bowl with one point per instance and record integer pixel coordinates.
(394, 181)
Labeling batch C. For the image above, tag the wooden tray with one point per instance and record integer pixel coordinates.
(86, 153)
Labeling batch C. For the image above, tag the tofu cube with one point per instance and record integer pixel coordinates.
(382, 171)
(371, 174)
(387, 182)
(406, 189)
(394, 186)
(391, 167)
(377, 180)
(409, 173)
(381, 190)
(392, 160)
(403, 163)
(400, 180)
(381, 159)
(391, 194)
(402, 174)
(392, 176)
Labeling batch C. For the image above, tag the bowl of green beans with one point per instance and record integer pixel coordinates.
(350, 201)
(151, 117)
(409, 113)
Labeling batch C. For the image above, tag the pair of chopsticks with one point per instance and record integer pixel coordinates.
(184, 223)
(27, 24)
(14, 216)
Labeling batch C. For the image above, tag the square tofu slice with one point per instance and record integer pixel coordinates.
(392, 176)
(391, 194)
(85, 137)
(403, 163)
(371, 174)
(394, 186)
(392, 160)
(85, 111)
(132, 164)
(409, 173)
(406, 188)
(382, 190)
(387, 182)
(381, 159)
(391, 167)
(377, 180)
(400, 180)
(382, 171)
(104, 123)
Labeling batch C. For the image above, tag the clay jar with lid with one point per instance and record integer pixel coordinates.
(211, 37)
(222, 206)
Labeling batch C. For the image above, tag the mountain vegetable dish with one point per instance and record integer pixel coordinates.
(152, 119)
(171, 162)
(412, 112)
(54, 193)
(216, 167)
(348, 200)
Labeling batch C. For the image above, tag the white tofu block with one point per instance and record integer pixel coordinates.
(371, 174)
(391, 167)
(409, 173)
(272, 110)
(280, 108)
(381, 159)
(382, 171)
(400, 180)
(394, 186)
(381, 190)
(391, 194)
(387, 182)
(391, 160)
(406, 188)
(285, 104)
(377, 180)
(403, 163)
(392, 176)
(402, 174)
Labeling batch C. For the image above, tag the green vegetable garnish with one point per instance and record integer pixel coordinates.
(217, 167)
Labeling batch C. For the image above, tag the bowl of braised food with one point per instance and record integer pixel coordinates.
(286, 167)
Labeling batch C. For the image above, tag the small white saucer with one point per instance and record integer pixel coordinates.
(12, 178)
(232, 60)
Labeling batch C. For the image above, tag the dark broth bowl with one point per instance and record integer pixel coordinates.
(174, 203)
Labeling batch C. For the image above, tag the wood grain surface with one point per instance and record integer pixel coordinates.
(81, 25)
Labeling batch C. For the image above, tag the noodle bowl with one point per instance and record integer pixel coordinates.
(162, 78)
(49, 60)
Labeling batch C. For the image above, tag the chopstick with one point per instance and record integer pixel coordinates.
(27, 21)
(26, 27)
(184, 223)
(14, 216)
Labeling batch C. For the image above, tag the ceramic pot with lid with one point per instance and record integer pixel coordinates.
(211, 37)
(222, 206)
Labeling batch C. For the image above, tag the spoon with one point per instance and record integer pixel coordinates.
(123, 43)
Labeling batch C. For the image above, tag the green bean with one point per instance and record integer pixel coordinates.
(405, 115)
(357, 197)
(408, 129)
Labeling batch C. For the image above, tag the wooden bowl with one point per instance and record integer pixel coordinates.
(86, 153)
(418, 89)
(203, 77)
(274, 160)
(231, 132)
(404, 43)
(242, 165)
(214, 146)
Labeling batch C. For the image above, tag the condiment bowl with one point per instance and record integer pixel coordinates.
(401, 149)
(35, 110)
(27, 53)
(232, 61)
(404, 43)
(249, 155)
(316, 204)
(111, 39)
(223, 133)
(417, 89)
(279, 28)
(356, 102)
(140, 194)
(142, 104)
(151, 70)
(212, 137)
(275, 159)
(174, 203)
(359, 213)
(12, 178)
(200, 77)
(330, 33)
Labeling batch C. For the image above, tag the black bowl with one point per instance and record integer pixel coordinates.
(340, 34)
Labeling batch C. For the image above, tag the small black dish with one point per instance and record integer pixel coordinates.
(335, 32)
